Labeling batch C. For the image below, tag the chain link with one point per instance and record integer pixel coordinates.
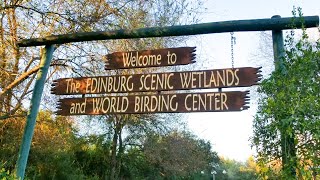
(233, 42)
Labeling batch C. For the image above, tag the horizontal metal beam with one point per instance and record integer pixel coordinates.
(205, 28)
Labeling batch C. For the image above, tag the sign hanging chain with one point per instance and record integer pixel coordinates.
(233, 42)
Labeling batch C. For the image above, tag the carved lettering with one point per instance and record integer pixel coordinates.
(237, 77)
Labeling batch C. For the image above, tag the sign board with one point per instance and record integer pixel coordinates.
(151, 58)
(218, 78)
(155, 103)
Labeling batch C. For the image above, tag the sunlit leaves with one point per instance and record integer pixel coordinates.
(290, 106)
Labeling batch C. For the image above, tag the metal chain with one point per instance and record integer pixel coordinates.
(233, 42)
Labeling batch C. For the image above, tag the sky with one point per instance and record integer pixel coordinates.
(229, 132)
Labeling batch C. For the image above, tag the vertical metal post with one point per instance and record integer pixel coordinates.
(278, 47)
(33, 112)
(287, 142)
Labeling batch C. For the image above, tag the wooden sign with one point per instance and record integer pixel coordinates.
(218, 78)
(151, 58)
(156, 103)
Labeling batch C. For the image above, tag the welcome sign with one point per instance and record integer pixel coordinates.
(151, 100)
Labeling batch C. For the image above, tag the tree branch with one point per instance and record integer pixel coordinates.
(12, 116)
(41, 12)
(21, 79)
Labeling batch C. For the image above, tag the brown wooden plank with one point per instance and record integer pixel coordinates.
(151, 58)
(217, 78)
(156, 103)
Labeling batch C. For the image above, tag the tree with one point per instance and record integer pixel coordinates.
(139, 15)
(179, 155)
(92, 155)
(136, 127)
(289, 108)
(121, 136)
(232, 169)
(28, 19)
(51, 154)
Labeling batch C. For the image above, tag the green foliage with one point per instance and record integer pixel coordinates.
(234, 170)
(92, 155)
(179, 155)
(289, 109)
(6, 175)
(182, 156)
(136, 166)
(50, 156)
(58, 153)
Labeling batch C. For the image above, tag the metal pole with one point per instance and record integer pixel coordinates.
(33, 112)
(194, 29)
(278, 47)
(287, 142)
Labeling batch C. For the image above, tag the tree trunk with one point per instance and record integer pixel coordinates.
(12, 21)
(115, 162)
(114, 154)
(3, 60)
(120, 151)
(289, 157)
